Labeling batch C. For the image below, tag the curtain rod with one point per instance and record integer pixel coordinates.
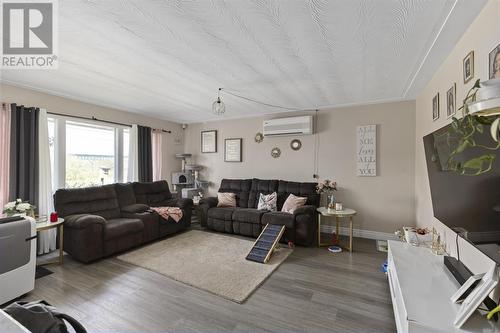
(103, 121)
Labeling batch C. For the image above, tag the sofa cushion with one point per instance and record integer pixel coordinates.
(240, 187)
(264, 186)
(248, 215)
(292, 203)
(308, 190)
(119, 227)
(226, 199)
(268, 202)
(221, 213)
(279, 218)
(100, 200)
(154, 194)
(125, 194)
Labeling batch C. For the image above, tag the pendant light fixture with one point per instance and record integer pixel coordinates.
(218, 107)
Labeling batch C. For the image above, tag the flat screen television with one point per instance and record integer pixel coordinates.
(469, 204)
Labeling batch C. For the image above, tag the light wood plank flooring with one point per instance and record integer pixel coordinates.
(312, 291)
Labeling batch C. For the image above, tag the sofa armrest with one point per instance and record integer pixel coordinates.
(81, 221)
(135, 208)
(182, 203)
(204, 206)
(306, 225)
(307, 209)
(209, 202)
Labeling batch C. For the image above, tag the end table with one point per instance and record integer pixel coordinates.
(46, 225)
(338, 214)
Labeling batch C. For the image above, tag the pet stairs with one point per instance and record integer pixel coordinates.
(266, 243)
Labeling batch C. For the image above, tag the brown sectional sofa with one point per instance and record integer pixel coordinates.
(104, 220)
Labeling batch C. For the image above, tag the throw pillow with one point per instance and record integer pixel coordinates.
(226, 200)
(267, 202)
(292, 203)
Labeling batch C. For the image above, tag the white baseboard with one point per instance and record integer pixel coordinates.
(360, 233)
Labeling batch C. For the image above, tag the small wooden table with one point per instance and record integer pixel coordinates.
(338, 214)
(46, 225)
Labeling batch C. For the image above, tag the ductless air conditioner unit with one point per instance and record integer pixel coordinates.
(288, 126)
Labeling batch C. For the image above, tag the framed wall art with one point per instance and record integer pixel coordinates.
(451, 101)
(494, 63)
(209, 141)
(366, 159)
(232, 150)
(435, 107)
(468, 67)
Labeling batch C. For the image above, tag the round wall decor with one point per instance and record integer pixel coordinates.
(275, 152)
(259, 137)
(295, 144)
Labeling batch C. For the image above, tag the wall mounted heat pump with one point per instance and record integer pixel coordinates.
(288, 126)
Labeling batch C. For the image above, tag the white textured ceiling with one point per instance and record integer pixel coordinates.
(166, 59)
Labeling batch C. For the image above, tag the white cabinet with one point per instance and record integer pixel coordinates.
(421, 287)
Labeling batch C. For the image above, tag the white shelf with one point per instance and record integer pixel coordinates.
(421, 287)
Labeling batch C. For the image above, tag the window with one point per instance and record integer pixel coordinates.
(86, 153)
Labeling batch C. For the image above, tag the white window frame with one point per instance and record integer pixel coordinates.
(59, 172)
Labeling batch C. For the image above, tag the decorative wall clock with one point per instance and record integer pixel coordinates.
(296, 144)
(259, 137)
(275, 152)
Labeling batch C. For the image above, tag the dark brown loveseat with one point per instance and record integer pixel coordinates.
(104, 220)
(246, 220)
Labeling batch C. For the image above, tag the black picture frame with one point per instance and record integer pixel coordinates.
(493, 63)
(435, 107)
(213, 148)
(239, 142)
(468, 67)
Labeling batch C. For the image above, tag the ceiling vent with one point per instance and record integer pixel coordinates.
(288, 126)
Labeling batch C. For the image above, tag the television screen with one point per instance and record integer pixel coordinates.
(471, 202)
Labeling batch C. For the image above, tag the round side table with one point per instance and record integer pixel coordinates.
(338, 214)
(46, 225)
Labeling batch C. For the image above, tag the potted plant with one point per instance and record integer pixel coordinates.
(19, 208)
(460, 136)
(327, 187)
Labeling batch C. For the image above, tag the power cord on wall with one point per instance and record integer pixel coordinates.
(316, 146)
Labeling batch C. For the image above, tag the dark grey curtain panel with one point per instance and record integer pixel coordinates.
(24, 169)
(145, 154)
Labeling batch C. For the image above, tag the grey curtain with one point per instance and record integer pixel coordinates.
(145, 154)
(23, 182)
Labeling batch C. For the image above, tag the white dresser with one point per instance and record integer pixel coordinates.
(421, 287)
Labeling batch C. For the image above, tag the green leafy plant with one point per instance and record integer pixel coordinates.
(460, 137)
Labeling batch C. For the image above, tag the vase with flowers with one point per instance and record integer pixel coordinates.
(19, 208)
(327, 187)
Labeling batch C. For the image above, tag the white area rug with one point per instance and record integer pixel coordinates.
(208, 261)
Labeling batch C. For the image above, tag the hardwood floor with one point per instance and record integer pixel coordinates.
(312, 291)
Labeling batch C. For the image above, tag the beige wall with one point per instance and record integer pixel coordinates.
(481, 37)
(385, 202)
(172, 143)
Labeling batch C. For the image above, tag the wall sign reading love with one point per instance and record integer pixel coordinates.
(366, 150)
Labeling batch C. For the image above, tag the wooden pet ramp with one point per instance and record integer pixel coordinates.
(266, 243)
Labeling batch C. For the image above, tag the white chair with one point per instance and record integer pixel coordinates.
(17, 258)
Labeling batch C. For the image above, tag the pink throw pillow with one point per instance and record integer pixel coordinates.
(292, 203)
(226, 200)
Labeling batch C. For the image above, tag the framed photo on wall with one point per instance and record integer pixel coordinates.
(468, 67)
(232, 150)
(435, 107)
(494, 64)
(451, 101)
(209, 141)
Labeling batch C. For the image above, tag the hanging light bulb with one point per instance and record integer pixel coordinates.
(218, 106)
